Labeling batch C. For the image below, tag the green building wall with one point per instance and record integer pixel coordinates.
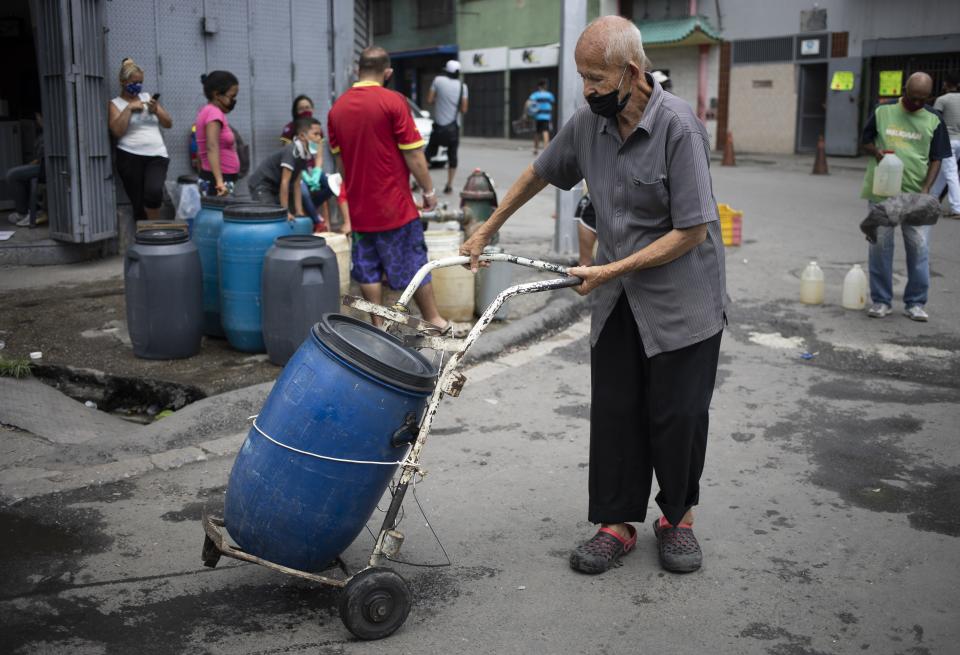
(512, 23)
(404, 34)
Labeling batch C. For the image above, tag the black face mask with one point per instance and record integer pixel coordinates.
(609, 104)
(229, 103)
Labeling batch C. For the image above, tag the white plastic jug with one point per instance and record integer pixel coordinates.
(855, 288)
(888, 176)
(811, 285)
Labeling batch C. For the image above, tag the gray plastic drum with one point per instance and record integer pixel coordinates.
(301, 283)
(491, 281)
(163, 284)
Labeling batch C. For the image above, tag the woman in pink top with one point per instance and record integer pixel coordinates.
(216, 144)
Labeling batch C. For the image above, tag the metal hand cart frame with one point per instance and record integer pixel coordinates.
(376, 600)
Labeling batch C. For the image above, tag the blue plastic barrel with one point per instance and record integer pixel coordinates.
(343, 394)
(207, 225)
(248, 232)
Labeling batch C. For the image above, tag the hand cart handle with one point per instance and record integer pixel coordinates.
(407, 295)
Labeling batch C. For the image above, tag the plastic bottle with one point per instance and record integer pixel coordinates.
(811, 285)
(855, 288)
(888, 176)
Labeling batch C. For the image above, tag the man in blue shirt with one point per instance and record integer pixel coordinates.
(540, 107)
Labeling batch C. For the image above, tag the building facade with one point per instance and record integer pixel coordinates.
(790, 71)
(276, 48)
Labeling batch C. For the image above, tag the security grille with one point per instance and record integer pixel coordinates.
(755, 51)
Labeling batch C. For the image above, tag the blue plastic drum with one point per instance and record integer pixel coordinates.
(248, 232)
(207, 225)
(342, 396)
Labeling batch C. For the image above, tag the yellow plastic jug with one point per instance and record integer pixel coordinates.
(811, 285)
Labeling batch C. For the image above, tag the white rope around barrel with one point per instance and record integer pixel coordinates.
(328, 458)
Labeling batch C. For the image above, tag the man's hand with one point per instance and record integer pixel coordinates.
(473, 248)
(592, 276)
(429, 200)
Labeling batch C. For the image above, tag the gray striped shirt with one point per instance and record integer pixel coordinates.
(656, 180)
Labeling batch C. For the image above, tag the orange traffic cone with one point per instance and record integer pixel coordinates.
(728, 157)
(820, 163)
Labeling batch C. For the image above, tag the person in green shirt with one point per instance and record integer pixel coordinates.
(915, 132)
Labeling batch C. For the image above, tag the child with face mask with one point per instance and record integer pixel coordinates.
(317, 187)
(277, 178)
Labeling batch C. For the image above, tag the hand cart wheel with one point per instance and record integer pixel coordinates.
(374, 603)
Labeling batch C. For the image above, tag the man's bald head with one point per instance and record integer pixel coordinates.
(373, 61)
(919, 85)
(612, 41)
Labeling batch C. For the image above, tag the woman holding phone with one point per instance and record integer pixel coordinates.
(135, 121)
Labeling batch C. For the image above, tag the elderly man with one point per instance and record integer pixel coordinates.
(659, 286)
(919, 138)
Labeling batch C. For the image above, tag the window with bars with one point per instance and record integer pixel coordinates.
(382, 15)
(434, 13)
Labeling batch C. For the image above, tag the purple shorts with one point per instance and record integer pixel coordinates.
(397, 254)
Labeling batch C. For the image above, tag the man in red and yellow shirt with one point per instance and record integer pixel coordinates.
(377, 146)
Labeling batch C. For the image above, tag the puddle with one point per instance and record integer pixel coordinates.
(137, 400)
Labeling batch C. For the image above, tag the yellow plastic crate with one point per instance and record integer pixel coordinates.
(731, 223)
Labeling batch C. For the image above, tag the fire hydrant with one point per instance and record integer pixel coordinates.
(478, 200)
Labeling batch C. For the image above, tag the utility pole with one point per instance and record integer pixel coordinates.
(573, 20)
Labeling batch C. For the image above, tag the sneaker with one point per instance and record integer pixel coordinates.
(15, 218)
(878, 310)
(23, 222)
(602, 551)
(679, 549)
(916, 313)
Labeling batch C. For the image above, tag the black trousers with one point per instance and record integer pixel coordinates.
(449, 138)
(649, 415)
(143, 179)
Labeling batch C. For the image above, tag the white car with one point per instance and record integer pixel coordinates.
(424, 123)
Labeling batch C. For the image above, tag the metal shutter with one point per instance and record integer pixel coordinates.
(312, 54)
(270, 24)
(70, 53)
(228, 50)
(181, 61)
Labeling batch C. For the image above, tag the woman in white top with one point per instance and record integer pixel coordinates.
(135, 122)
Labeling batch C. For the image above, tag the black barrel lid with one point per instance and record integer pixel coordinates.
(300, 241)
(162, 236)
(187, 179)
(254, 212)
(372, 350)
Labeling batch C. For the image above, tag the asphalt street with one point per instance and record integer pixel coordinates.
(828, 517)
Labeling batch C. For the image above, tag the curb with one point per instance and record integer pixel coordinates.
(21, 483)
(561, 310)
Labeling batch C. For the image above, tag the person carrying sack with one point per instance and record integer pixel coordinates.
(449, 96)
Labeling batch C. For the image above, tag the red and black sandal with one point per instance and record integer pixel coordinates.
(602, 551)
(678, 548)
